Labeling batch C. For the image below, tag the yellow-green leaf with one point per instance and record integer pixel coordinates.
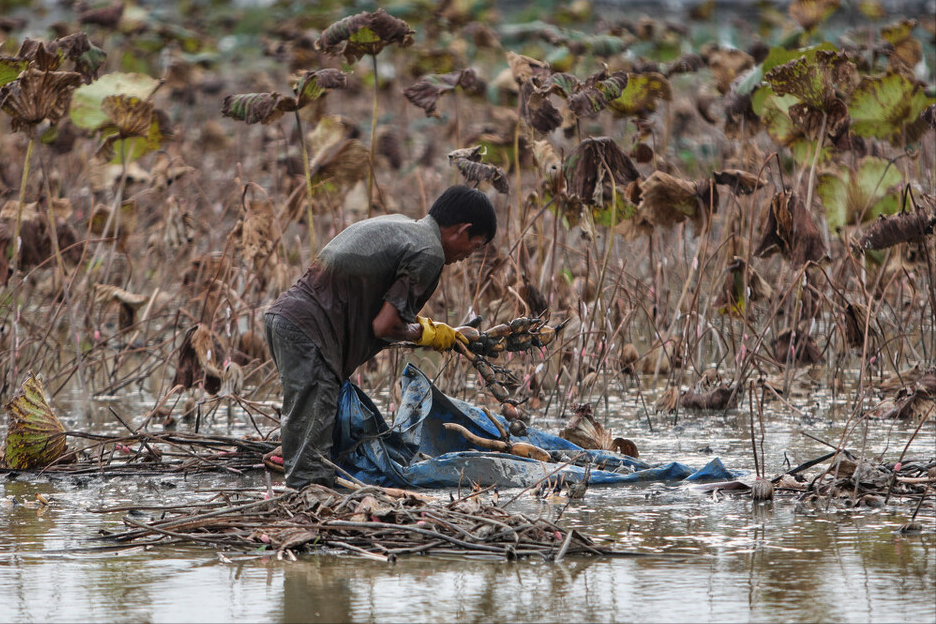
(35, 437)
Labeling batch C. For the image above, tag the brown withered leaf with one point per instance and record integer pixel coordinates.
(902, 379)
(48, 54)
(343, 163)
(366, 33)
(550, 166)
(802, 350)
(167, 170)
(467, 161)
(251, 346)
(666, 200)
(587, 167)
(642, 153)
(907, 49)
(425, 93)
(524, 67)
(790, 229)
(122, 224)
(668, 400)
(107, 16)
(199, 357)
(585, 431)
(203, 270)
(41, 57)
(35, 237)
(36, 96)
(586, 99)
(727, 64)
(718, 398)
(390, 146)
(129, 302)
(536, 109)
(253, 107)
(686, 64)
(311, 85)
(733, 298)
(740, 182)
(903, 227)
(131, 115)
(255, 235)
(929, 116)
(811, 13)
(855, 315)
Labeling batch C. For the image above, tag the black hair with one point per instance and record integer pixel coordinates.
(459, 204)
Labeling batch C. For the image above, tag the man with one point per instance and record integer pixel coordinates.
(362, 292)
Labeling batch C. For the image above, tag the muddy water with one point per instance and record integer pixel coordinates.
(701, 557)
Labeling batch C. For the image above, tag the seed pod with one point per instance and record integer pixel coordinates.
(499, 331)
(469, 332)
(494, 347)
(484, 369)
(498, 390)
(520, 325)
(545, 335)
(510, 411)
(517, 428)
(519, 342)
(762, 489)
(625, 446)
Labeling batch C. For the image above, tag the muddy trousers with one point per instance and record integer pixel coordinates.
(310, 403)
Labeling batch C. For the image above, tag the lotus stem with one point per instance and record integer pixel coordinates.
(308, 181)
(373, 143)
(812, 176)
(14, 260)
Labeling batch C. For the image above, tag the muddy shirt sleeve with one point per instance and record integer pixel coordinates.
(417, 278)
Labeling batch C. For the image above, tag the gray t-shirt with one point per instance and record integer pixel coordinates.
(389, 258)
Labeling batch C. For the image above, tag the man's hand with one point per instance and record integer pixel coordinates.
(438, 336)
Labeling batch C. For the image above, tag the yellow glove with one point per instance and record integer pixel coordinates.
(438, 336)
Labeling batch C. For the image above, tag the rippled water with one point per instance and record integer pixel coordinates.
(701, 557)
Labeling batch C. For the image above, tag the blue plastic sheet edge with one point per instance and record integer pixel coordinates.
(418, 452)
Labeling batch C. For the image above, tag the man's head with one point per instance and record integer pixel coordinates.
(466, 219)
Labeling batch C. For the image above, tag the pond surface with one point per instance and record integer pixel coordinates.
(703, 557)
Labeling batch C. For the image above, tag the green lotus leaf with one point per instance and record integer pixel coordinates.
(115, 148)
(561, 59)
(565, 84)
(779, 55)
(814, 81)
(804, 151)
(365, 33)
(311, 85)
(898, 31)
(888, 107)
(86, 111)
(750, 81)
(10, 69)
(759, 98)
(614, 212)
(775, 114)
(641, 95)
(604, 45)
(859, 195)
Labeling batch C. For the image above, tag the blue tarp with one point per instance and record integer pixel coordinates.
(418, 452)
